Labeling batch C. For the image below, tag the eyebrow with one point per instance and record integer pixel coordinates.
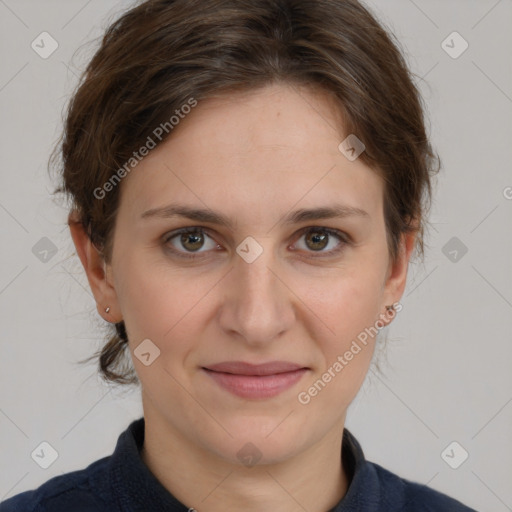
(212, 217)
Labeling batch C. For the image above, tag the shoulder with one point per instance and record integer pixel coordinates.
(78, 491)
(413, 496)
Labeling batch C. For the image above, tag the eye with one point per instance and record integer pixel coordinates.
(192, 242)
(316, 239)
(189, 240)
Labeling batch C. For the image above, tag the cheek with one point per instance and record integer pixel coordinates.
(158, 306)
(349, 307)
(161, 303)
(348, 301)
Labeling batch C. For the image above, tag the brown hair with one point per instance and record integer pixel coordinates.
(161, 53)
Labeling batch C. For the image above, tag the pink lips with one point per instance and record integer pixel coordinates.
(255, 381)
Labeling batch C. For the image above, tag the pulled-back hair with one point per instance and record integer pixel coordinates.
(161, 53)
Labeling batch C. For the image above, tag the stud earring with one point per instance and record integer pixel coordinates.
(107, 310)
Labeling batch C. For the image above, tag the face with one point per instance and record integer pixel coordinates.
(271, 283)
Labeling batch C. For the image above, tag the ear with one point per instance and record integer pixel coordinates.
(396, 278)
(98, 272)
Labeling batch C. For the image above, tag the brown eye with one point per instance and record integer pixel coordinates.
(324, 241)
(187, 241)
(192, 241)
(316, 240)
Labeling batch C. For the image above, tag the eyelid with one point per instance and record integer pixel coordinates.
(342, 235)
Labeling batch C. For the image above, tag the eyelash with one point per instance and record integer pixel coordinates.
(340, 235)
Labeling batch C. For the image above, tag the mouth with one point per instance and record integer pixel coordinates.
(255, 381)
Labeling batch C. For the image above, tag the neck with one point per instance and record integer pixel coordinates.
(313, 480)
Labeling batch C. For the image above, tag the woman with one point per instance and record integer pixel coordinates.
(249, 181)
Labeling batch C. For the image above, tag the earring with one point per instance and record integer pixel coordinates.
(107, 310)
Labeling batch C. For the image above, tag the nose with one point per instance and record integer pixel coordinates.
(257, 306)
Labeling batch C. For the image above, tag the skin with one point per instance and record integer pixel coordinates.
(253, 157)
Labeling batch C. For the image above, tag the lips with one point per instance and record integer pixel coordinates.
(242, 368)
(255, 381)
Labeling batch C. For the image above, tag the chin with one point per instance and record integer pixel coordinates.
(258, 442)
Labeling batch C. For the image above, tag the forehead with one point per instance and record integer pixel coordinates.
(255, 152)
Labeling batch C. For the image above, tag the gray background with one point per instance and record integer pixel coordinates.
(446, 371)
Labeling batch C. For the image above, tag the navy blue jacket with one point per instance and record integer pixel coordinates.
(123, 483)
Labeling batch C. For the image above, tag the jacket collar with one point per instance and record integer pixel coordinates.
(136, 489)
